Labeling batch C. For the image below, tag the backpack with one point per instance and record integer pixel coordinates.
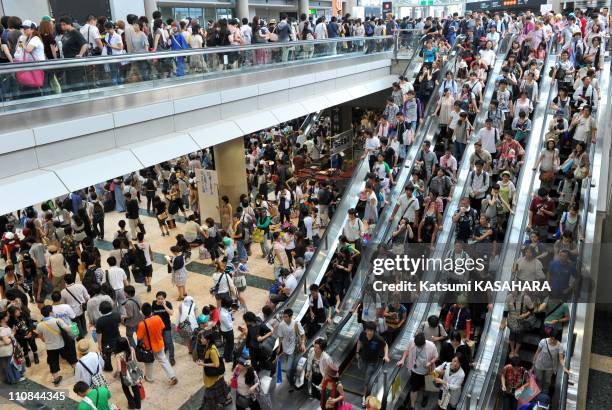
(97, 379)
(369, 30)
(98, 211)
(122, 236)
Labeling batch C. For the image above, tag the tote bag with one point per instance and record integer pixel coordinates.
(33, 78)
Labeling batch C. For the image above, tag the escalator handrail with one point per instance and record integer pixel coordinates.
(562, 378)
(521, 179)
(337, 218)
(490, 378)
(442, 245)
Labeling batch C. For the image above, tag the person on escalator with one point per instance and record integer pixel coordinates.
(434, 331)
(455, 345)
(512, 377)
(421, 355)
(292, 339)
(395, 316)
(318, 312)
(449, 376)
(371, 351)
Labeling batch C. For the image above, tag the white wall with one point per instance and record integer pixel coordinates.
(121, 8)
(29, 9)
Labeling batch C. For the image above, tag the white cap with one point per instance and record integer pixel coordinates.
(28, 24)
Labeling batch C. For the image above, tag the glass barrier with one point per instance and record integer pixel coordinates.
(52, 82)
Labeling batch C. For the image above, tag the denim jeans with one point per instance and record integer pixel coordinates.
(242, 252)
(168, 343)
(289, 364)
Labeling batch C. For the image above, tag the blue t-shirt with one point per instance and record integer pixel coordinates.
(332, 29)
(560, 274)
(429, 56)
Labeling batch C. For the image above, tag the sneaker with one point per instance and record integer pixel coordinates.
(57, 381)
(28, 363)
(172, 361)
(173, 381)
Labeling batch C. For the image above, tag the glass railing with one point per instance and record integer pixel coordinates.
(53, 82)
(480, 388)
(425, 306)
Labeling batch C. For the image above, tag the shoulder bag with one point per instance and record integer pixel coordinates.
(143, 354)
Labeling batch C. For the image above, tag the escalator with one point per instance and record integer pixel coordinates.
(484, 388)
(343, 333)
(328, 243)
(389, 386)
(513, 238)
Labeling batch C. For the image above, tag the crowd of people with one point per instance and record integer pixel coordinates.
(53, 262)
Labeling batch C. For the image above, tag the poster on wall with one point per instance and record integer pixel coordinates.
(208, 193)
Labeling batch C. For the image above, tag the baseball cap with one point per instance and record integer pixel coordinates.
(28, 24)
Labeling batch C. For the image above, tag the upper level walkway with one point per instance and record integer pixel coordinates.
(98, 118)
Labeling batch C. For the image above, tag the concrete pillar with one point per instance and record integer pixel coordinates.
(150, 7)
(348, 7)
(231, 170)
(303, 6)
(242, 9)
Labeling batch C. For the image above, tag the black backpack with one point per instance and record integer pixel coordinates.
(98, 211)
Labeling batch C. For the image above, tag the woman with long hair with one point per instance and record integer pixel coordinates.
(261, 34)
(46, 31)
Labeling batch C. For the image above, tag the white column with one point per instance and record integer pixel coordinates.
(348, 7)
(303, 7)
(242, 9)
(150, 7)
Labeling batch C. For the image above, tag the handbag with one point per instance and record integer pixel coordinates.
(528, 391)
(33, 78)
(242, 401)
(444, 400)
(258, 235)
(240, 281)
(133, 373)
(184, 328)
(163, 216)
(141, 391)
(143, 354)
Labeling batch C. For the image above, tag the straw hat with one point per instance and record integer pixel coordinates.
(372, 403)
(83, 347)
(332, 371)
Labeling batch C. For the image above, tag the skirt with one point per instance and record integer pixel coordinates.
(179, 277)
(216, 396)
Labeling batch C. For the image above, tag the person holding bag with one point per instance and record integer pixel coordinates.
(30, 48)
(450, 377)
(131, 375)
(246, 383)
(56, 335)
(332, 391)
(216, 390)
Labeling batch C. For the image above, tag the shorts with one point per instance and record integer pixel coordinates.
(148, 271)
(417, 381)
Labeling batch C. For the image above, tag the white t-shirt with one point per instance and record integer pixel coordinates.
(372, 144)
(38, 53)
(408, 207)
(114, 41)
(64, 312)
(91, 34)
(454, 118)
(487, 138)
(308, 222)
(487, 56)
(287, 332)
(146, 248)
(291, 283)
(584, 128)
(116, 276)
(225, 319)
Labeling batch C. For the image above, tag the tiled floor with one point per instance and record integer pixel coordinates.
(198, 284)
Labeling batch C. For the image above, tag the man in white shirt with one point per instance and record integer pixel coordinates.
(89, 365)
(353, 230)
(493, 36)
(478, 182)
(309, 224)
(585, 126)
(227, 329)
(321, 29)
(62, 310)
(75, 295)
(247, 32)
(92, 35)
(489, 137)
(292, 339)
(586, 94)
(372, 147)
(117, 279)
(450, 376)
(407, 206)
(288, 285)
